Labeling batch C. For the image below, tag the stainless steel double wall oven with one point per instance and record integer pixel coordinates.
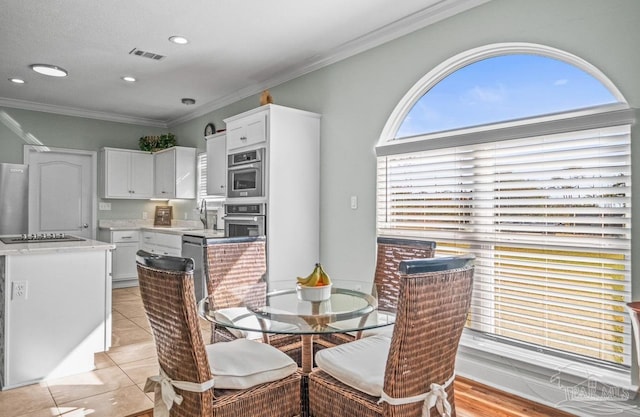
(245, 214)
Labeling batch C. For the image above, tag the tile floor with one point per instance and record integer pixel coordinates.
(114, 389)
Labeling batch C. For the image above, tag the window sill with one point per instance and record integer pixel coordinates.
(556, 382)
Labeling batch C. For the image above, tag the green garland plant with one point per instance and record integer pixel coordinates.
(154, 143)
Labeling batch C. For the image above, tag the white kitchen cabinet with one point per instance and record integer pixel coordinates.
(126, 174)
(291, 171)
(123, 271)
(217, 164)
(248, 130)
(161, 243)
(175, 173)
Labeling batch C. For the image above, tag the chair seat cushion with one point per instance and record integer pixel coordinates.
(243, 363)
(359, 364)
(242, 317)
(386, 331)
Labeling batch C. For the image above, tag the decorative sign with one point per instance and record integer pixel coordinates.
(163, 216)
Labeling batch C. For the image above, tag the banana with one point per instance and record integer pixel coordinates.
(324, 277)
(317, 277)
(311, 279)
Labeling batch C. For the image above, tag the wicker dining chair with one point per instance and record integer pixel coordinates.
(386, 279)
(167, 290)
(235, 269)
(375, 376)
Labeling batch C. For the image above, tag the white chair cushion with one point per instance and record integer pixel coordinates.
(243, 363)
(386, 331)
(242, 317)
(359, 364)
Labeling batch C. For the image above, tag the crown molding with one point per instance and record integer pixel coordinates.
(71, 111)
(429, 15)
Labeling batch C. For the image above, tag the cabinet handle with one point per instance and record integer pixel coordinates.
(125, 237)
(243, 138)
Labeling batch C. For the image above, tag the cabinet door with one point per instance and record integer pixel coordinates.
(165, 172)
(124, 261)
(141, 175)
(217, 166)
(247, 131)
(117, 174)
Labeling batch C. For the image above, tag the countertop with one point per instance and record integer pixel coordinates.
(179, 228)
(53, 247)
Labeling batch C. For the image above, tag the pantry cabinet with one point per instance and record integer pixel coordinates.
(217, 164)
(175, 173)
(126, 174)
(290, 139)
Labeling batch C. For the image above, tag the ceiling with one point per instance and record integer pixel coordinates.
(236, 49)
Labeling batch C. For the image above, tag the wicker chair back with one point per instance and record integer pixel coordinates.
(166, 288)
(435, 296)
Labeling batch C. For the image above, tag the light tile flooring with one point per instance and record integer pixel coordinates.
(114, 389)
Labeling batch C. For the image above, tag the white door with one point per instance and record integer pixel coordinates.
(61, 191)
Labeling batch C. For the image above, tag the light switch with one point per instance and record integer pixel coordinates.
(104, 206)
(354, 202)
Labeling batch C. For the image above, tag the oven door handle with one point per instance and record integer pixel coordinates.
(241, 218)
(243, 166)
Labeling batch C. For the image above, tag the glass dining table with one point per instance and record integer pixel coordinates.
(286, 312)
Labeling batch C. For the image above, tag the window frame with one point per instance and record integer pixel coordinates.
(473, 344)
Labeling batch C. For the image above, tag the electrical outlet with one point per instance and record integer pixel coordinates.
(19, 290)
(144, 215)
(354, 202)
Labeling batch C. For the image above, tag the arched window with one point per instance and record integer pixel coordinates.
(503, 88)
(520, 155)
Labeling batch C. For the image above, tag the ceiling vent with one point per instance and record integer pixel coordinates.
(146, 54)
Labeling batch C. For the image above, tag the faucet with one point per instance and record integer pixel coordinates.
(203, 213)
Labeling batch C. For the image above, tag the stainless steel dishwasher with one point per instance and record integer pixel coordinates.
(193, 247)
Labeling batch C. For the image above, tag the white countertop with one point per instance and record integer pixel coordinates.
(179, 228)
(52, 247)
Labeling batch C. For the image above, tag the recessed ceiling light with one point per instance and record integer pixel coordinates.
(17, 80)
(180, 40)
(188, 101)
(129, 79)
(50, 70)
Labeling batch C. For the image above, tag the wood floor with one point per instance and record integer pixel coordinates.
(477, 400)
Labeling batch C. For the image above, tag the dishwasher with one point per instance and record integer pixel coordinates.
(193, 247)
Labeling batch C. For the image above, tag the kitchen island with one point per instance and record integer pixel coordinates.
(56, 309)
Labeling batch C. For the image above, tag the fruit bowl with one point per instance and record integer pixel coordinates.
(315, 293)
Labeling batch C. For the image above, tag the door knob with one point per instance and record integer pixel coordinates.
(86, 225)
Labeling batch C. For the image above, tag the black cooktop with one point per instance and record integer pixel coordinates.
(43, 237)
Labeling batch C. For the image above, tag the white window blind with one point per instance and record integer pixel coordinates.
(549, 221)
(202, 176)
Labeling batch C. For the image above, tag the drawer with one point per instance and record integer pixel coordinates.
(124, 236)
(169, 240)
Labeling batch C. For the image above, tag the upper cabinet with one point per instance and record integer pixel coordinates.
(247, 131)
(175, 173)
(126, 174)
(217, 164)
